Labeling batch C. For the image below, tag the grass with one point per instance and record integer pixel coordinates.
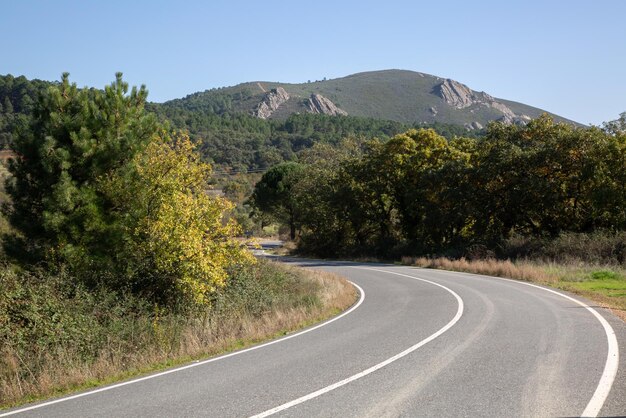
(605, 285)
(35, 368)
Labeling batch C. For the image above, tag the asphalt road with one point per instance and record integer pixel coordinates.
(420, 343)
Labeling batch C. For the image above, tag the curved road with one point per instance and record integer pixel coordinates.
(419, 343)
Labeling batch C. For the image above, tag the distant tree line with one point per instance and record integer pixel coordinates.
(419, 193)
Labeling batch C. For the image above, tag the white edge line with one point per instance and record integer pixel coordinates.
(380, 365)
(200, 363)
(612, 359)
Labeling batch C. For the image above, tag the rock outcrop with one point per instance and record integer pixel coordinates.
(320, 104)
(473, 125)
(508, 113)
(460, 96)
(271, 102)
(456, 94)
(520, 120)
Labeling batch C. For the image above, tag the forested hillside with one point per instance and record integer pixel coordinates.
(239, 141)
(233, 141)
(17, 98)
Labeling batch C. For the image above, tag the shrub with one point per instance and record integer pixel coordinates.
(599, 247)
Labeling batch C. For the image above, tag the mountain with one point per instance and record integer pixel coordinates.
(226, 138)
(259, 124)
(397, 95)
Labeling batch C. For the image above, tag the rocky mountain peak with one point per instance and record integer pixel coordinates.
(320, 104)
(270, 103)
(460, 96)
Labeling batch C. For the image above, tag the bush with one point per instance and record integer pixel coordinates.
(599, 247)
(55, 336)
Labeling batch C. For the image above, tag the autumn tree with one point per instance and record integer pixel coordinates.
(178, 243)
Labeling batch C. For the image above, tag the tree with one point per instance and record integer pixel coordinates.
(273, 194)
(324, 200)
(8, 106)
(178, 244)
(617, 126)
(544, 178)
(100, 189)
(432, 191)
(74, 138)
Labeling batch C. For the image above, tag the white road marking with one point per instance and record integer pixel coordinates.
(200, 363)
(380, 365)
(612, 359)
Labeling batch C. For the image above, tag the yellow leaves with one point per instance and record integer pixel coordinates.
(177, 229)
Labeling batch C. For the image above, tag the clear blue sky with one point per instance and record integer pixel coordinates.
(568, 57)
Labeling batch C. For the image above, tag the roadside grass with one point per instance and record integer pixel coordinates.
(603, 284)
(268, 302)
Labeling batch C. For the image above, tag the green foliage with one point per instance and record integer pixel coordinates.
(273, 194)
(604, 275)
(325, 200)
(55, 334)
(75, 137)
(558, 178)
(176, 242)
(18, 96)
(259, 288)
(100, 189)
(219, 123)
(420, 194)
(616, 127)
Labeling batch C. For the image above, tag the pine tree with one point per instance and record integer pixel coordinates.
(75, 138)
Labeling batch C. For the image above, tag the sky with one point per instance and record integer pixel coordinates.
(567, 57)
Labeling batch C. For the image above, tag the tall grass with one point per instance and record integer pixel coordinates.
(521, 270)
(54, 338)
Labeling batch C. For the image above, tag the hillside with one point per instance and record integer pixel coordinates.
(397, 95)
(226, 138)
(256, 125)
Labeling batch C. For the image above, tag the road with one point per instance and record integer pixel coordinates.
(419, 343)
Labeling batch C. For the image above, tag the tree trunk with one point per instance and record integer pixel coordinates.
(292, 233)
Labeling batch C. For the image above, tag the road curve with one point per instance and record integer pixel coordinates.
(421, 343)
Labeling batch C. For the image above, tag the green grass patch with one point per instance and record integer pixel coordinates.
(607, 275)
(605, 283)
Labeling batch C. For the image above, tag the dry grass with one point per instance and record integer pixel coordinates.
(577, 277)
(491, 267)
(169, 343)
